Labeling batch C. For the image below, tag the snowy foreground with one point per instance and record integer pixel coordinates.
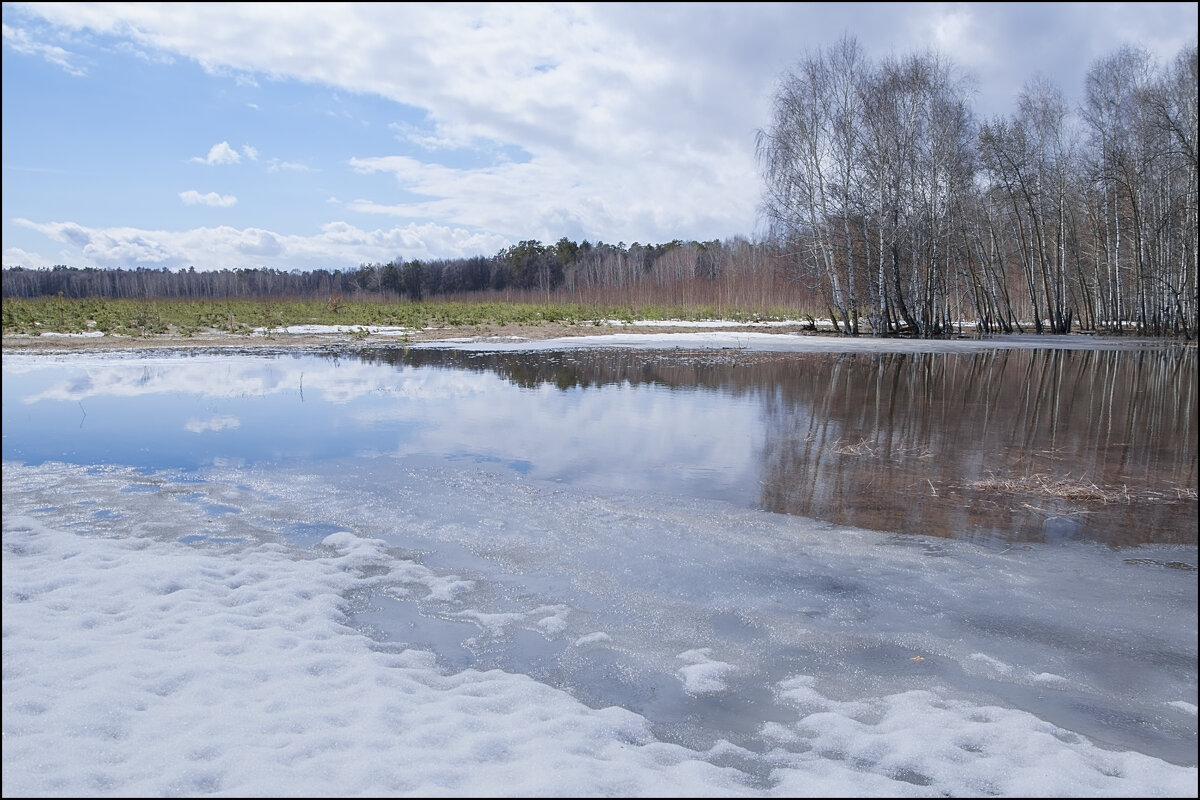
(163, 634)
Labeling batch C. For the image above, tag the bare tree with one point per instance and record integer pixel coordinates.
(808, 158)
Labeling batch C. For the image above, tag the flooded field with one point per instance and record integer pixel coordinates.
(898, 569)
(1017, 445)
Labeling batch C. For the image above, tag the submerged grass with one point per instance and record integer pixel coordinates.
(186, 317)
(1078, 490)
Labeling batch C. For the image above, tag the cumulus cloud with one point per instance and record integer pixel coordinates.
(16, 257)
(586, 95)
(541, 198)
(339, 245)
(220, 153)
(603, 73)
(191, 197)
(632, 121)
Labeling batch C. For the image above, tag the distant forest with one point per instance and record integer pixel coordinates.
(734, 273)
(891, 209)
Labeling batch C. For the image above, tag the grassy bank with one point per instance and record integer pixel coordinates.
(186, 317)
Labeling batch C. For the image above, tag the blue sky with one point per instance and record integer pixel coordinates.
(312, 135)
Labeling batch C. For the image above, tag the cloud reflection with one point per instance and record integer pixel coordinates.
(338, 382)
(217, 423)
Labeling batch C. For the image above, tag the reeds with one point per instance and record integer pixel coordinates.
(1078, 490)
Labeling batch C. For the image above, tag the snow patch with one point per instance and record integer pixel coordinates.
(703, 674)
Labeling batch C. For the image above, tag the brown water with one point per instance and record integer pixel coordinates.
(1026, 445)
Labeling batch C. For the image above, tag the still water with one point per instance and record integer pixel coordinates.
(1021, 445)
(688, 533)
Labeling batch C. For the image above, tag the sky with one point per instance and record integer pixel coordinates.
(380, 625)
(303, 136)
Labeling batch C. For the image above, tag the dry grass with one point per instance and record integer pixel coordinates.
(862, 448)
(865, 447)
(1078, 490)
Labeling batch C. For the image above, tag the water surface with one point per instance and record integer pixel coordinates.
(681, 532)
(1018, 445)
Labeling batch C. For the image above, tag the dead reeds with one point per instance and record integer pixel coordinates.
(869, 449)
(1078, 490)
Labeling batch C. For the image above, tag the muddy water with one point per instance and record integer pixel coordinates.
(1028, 445)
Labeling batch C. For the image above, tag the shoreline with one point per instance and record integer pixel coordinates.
(217, 340)
(358, 336)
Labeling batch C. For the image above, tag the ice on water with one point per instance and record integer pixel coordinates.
(383, 624)
(470, 633)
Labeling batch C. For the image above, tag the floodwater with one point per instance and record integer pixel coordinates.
(1018, 445)
(686, 533)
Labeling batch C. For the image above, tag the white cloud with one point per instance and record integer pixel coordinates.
(543, 199)
(191, 197)
(275, 165)
(955, 33)
(16, 257)
(426, 140)
(339, 245)
(612, 121)
(220, 153)
(633, 121)
(21, 41)
(155, 57)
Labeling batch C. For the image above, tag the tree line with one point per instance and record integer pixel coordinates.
(890, 207)
(688, 271)
(908, 212)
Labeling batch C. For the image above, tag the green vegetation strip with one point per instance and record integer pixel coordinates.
(187, 317)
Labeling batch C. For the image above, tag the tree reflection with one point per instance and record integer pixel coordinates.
(1015, 444)
(1025, 445)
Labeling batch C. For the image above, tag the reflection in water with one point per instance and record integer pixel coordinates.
(1014, 444)
(1026, 445)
